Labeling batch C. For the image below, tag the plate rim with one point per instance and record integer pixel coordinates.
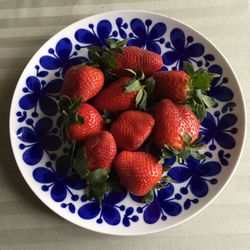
(208, 202)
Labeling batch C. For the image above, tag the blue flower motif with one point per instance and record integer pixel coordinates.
(161, 206)
(146, 37)
(103, 31)
(42, 93)
(59, 180)
(40, 139)
(219, 129)
(218, 89)
(127, 217)
(61, 58)
(196, 173)
(182, 49)
(109, 211)
(121, 27)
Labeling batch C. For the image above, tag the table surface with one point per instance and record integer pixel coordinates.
(26, 223)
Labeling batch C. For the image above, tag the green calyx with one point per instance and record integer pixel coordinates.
(199, 84)
(105, 57)
(99, 181)
(145, 88)
(188, 150)
(97, 184)
(68, 109)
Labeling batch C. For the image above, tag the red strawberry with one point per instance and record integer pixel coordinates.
(92, 124)
(138, 172)
(113, 98)
(82, 81)
(131, 129)
(173, 85)
(137, 58)
(188, 87)
(100, 150)
(171, 122)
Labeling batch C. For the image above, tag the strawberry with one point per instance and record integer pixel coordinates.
(82, 120)
(131, 129)
(125, 93)
(173, 85)
(100, 150)
(117, 59)
(82, 81)
(138, 172)
(186, 87)
(137, 58)
(176, 130)
(113, 98)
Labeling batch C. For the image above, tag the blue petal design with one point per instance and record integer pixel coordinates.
(33, 84)
(222, 93)
(58, 192)
(111, 215)
(73, 181)
(89, 210)
(227, 121)
(153, 46)
(152, 213)
(170, 57)
(210, 168)
(28, 101)
(53, 87)
(63, 49)
(104, 28)
(33, 155)
(47, 105)
(194, 50)
(85, 36)
(198, 186)
(158, 30)
(26, 135)
(51, 142)
(43, 126)
(177, 37)
(43, 175)
(180, 174)
(225, 140)
(113, 198)
(62, 165)
(50, 63)
(138, 42)
(171, 208)
(209, 122)
(165, 193)
(138, 28)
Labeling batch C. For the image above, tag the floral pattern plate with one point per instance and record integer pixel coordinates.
(41, 154)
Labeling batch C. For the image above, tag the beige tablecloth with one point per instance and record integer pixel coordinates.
(26, 223)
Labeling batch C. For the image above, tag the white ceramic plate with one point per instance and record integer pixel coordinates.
(41, 155)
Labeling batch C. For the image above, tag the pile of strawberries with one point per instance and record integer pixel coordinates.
(119, 105)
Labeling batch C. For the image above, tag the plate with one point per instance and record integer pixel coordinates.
(41, 154)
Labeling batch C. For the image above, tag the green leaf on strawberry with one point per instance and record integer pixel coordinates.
(68, 108)
(96, 180)
(149, 197)
(105, 57)
(145, 88)
(188, 150)
(199, 82)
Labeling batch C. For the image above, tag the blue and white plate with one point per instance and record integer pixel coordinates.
(41, 154)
